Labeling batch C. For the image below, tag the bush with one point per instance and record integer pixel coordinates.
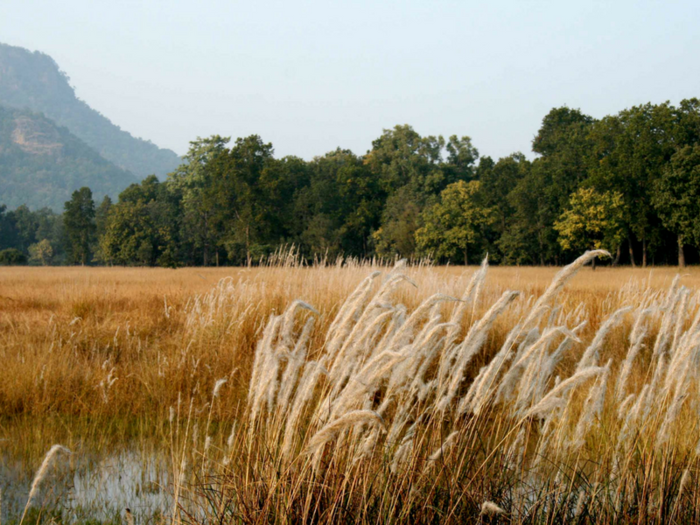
(12, 257)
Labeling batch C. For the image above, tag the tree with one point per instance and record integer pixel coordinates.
(338, 207)
(400, 219)
(26, 224)
(12, 257)
(101, 221)
(546, 184)
(246, 196)
(593, 221)
(628, 153)
(401, 157)
(497, 181)
(141, 229)
(454, 223)
(190, 183)
(41, 253)
(9, 236)
(79, 223)
(677, 197)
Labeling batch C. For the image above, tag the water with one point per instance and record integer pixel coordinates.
(85, 485)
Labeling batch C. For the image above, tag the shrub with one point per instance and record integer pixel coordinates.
(12, 257)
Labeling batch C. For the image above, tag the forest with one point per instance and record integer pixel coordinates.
(628, 183)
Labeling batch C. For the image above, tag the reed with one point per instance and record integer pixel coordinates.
(362, 392)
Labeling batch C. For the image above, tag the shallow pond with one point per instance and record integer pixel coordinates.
(84, 486)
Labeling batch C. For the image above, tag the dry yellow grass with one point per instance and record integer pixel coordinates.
(109, 351)
(63, 330)
(58, 326)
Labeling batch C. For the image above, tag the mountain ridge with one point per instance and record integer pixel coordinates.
(34, 81)
(41, 163)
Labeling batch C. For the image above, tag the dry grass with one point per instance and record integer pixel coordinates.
(108, 352)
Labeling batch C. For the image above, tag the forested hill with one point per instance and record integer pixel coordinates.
(34, 81)
(41, 164)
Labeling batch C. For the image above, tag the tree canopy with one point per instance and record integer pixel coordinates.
(628, 183)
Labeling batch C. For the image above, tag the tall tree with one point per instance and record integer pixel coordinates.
(677, 197)
(454, 224)
(539, 198)
(400, 219)
(245, 196)
(79, 223)
(9, 236)
(497, 181)
(190, 183)
(593, 221)
(629, 152)
(142, 228)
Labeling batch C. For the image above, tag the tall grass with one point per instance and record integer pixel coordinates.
(392, 417)
(358, 392)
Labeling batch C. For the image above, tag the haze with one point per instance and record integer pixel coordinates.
(312, 76)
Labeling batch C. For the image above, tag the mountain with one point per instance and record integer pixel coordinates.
(41, 164)
(32, 80)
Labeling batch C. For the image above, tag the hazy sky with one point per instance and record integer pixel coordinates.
(311, 76)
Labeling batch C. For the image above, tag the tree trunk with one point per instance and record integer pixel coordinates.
(616, 261)
(217, 258)
(644, 252)
(247, 244)
(681, 253)
(631, 253)
(593, 263)
(466, 257)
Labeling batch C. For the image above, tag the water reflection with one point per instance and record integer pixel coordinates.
(87, 486)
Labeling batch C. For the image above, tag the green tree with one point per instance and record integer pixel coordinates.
(26, 223)
(9, 236)
(191, 183)
(400, 219)
(141, 229)
(629, 151)
(543, 190)
(400, 157)
(245, 193)
(677, 197)
(338, 207)
(497, 180)
(593, 221)
(101, 221)
(41, 253)
(12, 257)
(454, 223)
(79, 224)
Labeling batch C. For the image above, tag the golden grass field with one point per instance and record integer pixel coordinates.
(448, 415)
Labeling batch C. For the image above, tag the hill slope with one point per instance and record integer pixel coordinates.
(34, 81)
(41, 163)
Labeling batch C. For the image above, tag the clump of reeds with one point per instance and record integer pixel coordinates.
(532, 433)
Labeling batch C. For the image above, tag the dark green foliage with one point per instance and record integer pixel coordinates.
(141, 229)
(34, 81)
(630, 179)
(79, 225)
(12, 257)
(676, 197)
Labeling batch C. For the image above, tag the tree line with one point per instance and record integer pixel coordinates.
(628, 183)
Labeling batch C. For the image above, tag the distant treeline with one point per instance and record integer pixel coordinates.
(629, 183)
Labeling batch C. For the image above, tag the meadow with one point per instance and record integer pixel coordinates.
(354, 393)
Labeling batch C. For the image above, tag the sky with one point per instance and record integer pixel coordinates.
(310, 76)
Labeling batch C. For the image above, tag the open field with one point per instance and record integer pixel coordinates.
(373, 413)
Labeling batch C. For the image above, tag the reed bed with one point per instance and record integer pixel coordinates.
(363, 392)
